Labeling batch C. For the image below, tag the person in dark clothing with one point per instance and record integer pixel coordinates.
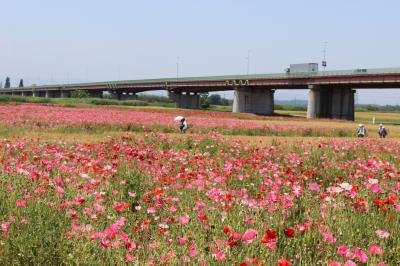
(382, 131)
(183, 125)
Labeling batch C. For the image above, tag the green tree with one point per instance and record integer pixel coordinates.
(21, 83)
(80, 94)
(215, 99)
(204, 100)
(8, 83)
(371, 107)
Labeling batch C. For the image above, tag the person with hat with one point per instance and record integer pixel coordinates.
(361, 132)
(382, 131)
(183, 125)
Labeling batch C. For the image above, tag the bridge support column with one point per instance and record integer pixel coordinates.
(253, 100)
(64, 94)
(186, 101)
(327, 102)
(314, 102)
(115, 95)
(35, 94)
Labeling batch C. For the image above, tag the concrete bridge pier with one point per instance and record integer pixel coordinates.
(328, 102)
(253, 100)
(52, 94)
(56, 94)
(115, 95)
(39, 94)
(185, 100)
(64, 94)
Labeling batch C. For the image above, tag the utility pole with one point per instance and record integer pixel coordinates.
(324, 52)
(248, 62)
(356, 100)
(177, 67)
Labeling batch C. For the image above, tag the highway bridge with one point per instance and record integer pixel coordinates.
(331, 93)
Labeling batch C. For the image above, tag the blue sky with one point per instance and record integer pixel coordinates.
(47, 41)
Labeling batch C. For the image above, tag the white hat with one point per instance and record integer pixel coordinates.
(360, 125)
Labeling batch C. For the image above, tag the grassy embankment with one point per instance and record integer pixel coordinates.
(79, 101)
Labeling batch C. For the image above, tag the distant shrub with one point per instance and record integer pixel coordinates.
(134, 103)
(99, 101)
(23, 99)
(80, 94)
(153, 98)
(290, 107)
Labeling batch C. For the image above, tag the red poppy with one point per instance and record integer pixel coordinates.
(232, 242)
(228, 197)
(389, 201)
(226, 229)
(289, 232)
(393, 196)
(269, 235)
(283, 262)
(378, 202)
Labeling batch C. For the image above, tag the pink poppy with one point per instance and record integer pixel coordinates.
(249, 236)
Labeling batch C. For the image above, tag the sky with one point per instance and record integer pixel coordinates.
(47, 41)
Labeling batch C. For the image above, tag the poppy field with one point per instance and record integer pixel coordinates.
(149, 197)
(66, 119)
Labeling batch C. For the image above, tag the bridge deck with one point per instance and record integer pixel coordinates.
(280, 80)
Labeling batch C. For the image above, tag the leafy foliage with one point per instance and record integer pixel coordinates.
(80, 94)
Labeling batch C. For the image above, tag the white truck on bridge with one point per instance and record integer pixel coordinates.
(301, 68)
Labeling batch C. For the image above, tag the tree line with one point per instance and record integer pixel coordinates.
(205, 99)
(7, 83)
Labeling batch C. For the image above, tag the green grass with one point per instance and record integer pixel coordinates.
(220, 108)
(79, 101)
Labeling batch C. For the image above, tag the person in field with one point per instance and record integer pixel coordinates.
(183, 125)
(382, 131)
(361, 132)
